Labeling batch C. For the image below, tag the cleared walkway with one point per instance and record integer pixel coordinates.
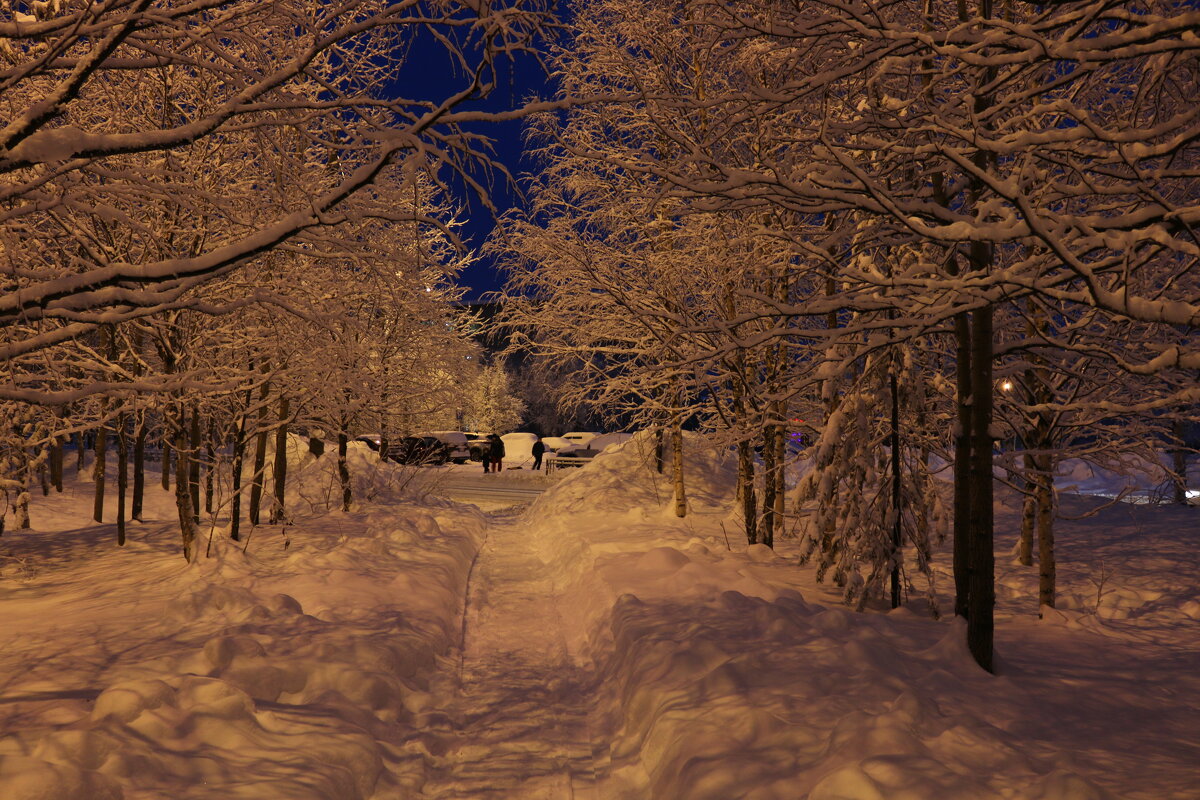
(517, 726)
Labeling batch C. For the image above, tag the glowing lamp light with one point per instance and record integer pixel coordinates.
(1006, 386)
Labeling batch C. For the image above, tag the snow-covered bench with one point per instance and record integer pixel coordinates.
(562, 462)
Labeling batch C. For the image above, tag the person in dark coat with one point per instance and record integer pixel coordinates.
(486, 452)
(496, 450)
(538, 450)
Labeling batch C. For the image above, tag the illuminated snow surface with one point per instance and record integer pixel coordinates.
(607, 650)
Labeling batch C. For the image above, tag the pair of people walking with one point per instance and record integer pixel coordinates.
(493, 454)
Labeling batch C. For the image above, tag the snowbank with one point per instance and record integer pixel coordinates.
(724, 672)
(281, 672)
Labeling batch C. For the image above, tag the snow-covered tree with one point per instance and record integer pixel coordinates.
(492, 405)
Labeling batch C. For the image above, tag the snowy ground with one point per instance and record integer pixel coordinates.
(589, 646)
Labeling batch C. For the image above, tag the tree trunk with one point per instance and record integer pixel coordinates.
(343, 470)
(279, 473)
(1028, 512)
(56, 463)
(780, 476)
(183, 497)
(659, 460)
(139, 466)
(166, 457)
(98, 475)
(897, 522)
(1047, 569)
(747, 491)
(260, 459)
(769, 523)
(21, 512)
(981, 589)
(677, 471)
(1179, 463)
(78, 437)
(239, 454)
(210, 450)
(194, 463)
(385, 437)
(962, 459)
(122, 476)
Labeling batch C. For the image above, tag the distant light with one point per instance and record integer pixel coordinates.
(1006, 386)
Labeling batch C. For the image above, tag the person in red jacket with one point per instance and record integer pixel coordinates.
(496, 451)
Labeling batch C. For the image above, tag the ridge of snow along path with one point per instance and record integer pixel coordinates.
(591, 646)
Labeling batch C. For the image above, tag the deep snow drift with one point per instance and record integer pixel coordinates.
(592, 645)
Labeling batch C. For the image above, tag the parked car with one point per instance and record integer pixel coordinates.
(576, 452)
(456, 442)
(419, 451)
(581, 438)
(371, 440)
(606, 440)
(584, 444)
(477, 445)
(555, 443)
(517, 447)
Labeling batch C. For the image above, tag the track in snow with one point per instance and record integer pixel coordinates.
(520, 708)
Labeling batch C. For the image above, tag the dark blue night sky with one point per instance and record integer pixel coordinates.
(433, 75)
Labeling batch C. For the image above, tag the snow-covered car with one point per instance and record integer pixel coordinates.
(518, 447)
(581, 438)
(456, 442)
(371, 440)
(605, 440)
(555, 443)
(591, 445)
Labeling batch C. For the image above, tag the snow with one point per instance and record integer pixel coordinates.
(591, 645)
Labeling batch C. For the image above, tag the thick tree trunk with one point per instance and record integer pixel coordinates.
(677, 471)
(78, 438)
(747, 491)
(981, 589)
(343, 469)
(962, 460)
(98, 475)
(139, 466)
(279, 473)
(122, 476)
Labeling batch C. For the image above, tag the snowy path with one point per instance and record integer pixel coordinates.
(520, 705)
